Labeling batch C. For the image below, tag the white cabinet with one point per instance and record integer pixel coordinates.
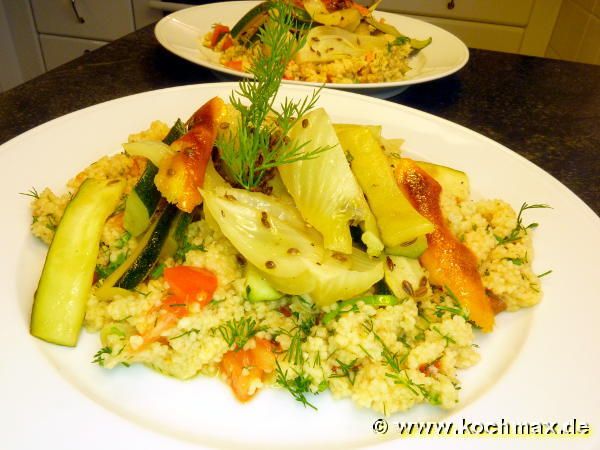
(104, 20)
(58, 50)
(517, 26)
(68, 28)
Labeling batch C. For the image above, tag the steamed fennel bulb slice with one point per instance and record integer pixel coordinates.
(268, 232)
(324, 188)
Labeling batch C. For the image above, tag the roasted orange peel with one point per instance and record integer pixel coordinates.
(181, 175)
(449, 262)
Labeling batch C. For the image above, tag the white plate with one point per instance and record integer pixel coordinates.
(541, 364)
(182, 33)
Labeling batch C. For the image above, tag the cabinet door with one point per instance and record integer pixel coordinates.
(505, 12)
(104, 20)
(487, 36)
(58, 50)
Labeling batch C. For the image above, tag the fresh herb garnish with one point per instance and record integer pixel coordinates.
(100, 355)
(298, 386)
(348, 370)
(33, 193)
(515, 233)
(237, 333)
(455, 310)
(183, 244)
(548, 272)
(105, 271)
(158, 271)
(185, 333)
(259, 142)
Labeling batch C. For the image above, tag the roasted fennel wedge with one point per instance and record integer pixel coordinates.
(324, 188)
(273, 236)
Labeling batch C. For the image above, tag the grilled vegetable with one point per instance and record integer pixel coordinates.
(257, 288)
(398, 221)
(405, 277)
(451, 180)
(180, 176)
(324, 189)
(67, 277)
(141, 202)
(141, 261)
(449, 262)
(246, 29)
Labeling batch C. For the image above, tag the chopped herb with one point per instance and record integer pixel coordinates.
(391, 359)
(457, 310)
(158, 271)
(447, 338)
(238, 332)
(125, 364)
(100, 355)
(185, 333)
(433, 399)
(348, 370)
(105, 271)
(215, 302)
(33, 193)
(515, 233)
(299, 386)
(548, 272)
(123, 240)
(183, 244)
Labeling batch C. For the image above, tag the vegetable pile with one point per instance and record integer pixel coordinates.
(327, 32)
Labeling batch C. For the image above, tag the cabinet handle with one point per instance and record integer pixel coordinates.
(450, 4)
(80, 19)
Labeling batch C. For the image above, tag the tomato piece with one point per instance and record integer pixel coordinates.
(218, 31)
(188, 283)
(244, 368)
(235, 65)
(227, 42)
(263, 355)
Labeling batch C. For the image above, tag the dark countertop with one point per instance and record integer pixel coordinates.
(546, 110)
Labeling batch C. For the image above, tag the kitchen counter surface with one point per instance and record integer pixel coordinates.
(546, 110)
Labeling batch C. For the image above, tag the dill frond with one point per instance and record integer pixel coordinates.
(259, 143)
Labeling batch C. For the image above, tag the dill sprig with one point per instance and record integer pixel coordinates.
(515, 233)
(259, 142)
(100, 355)
(348, 370)
(236, 333)
(298, 386)
(33, 193)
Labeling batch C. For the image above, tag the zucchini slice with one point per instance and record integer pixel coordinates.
(247, 27)
(141, 202)
(67, 278)
(144, 197)
(141, 261)
(257, 288)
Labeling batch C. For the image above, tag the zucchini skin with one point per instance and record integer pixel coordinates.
(67, 277)
(145, 261)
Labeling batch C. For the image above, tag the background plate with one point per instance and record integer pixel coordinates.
(183, 31)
